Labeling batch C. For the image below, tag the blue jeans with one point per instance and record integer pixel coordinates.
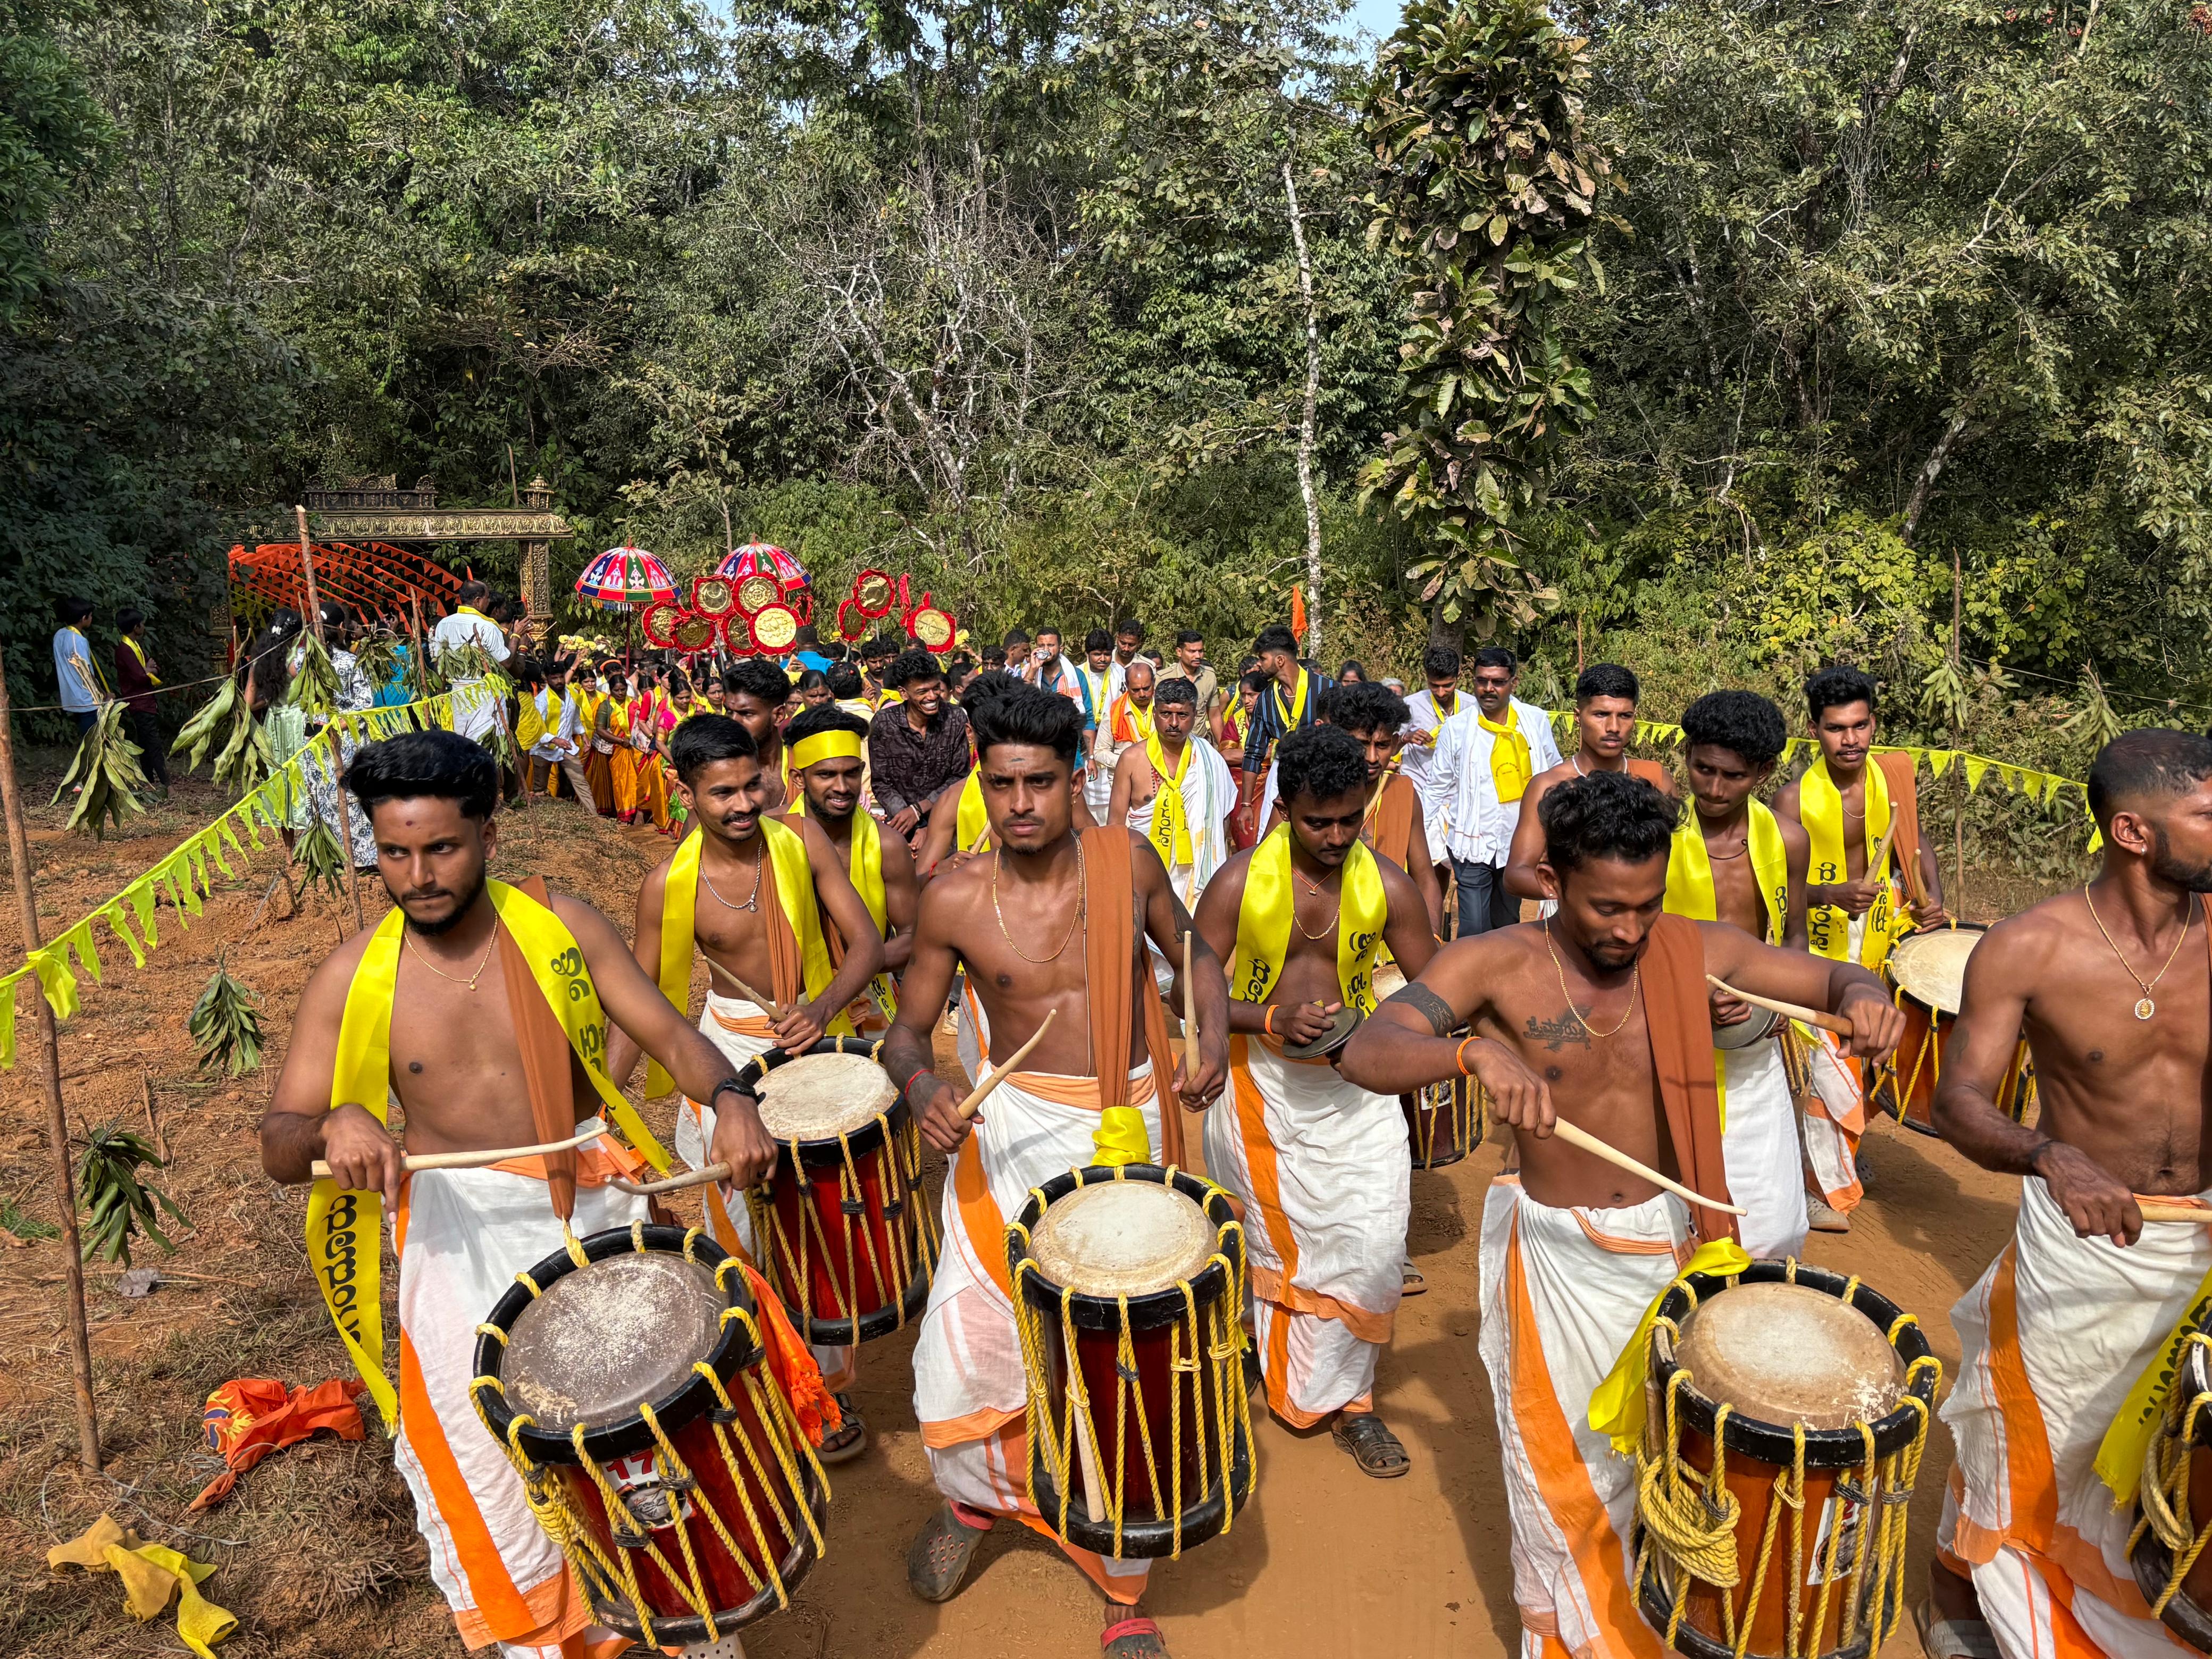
(1484, 903)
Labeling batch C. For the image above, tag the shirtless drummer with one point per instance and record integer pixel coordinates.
(1600, 1011)
(2113, 984)
(1051, 921)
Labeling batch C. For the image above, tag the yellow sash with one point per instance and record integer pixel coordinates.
(1263, 923)
(537, 721)
(1616, 1406)
(1293, 711)
(1171, 832)
(345, 1229)
(971, 828)
(1690, 873)
(1510, 764)
(867, 872)
(679, 900)
(140, 655)
(2120, 1454)
(1828, 927)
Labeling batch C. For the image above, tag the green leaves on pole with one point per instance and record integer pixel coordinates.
(115, 1202)
(1484, 190)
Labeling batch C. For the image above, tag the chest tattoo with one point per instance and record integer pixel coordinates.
(1557, 1034)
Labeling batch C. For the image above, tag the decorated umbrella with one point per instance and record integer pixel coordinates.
(762, 574)
(625, 575)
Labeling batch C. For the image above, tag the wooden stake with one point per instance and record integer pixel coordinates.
(337, 755)
(1190, 1010)
(974, 1103)
(2153, 1210)
(152, 1119)
(774, 1011)
(50, 1054)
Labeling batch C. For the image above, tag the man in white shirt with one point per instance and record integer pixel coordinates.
(1428, 710)
(1484, 758)
(550, 712)
(73, 662)
(476, 711)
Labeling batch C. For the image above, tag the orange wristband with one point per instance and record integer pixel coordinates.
(1267, 1021)
(1459, 1055)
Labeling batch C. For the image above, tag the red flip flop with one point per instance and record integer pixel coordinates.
(1133, 1639)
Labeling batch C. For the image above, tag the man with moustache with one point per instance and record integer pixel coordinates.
(1606, 696)
(828, 749)
(1485, 758)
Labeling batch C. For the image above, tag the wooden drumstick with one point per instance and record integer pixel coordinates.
(320, 1170)
(673, 1184)
(1189, 1011)
(2173, 1209)
(1086, 1450)
(1584, 1140)
(968, 1108)
(775, 1012)
(1826, 1022)
(1880, 855)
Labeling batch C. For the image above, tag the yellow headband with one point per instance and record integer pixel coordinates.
(825, 745)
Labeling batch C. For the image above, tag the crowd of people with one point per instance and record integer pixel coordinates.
(1059, 848)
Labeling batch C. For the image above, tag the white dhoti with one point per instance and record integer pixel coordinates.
(1758, 1148)
(1325, 1176)
(1833, 1119)
(2052, 1338)
(969, 1390)
(461, 1236)
(742, 1031)
(1562, 1293)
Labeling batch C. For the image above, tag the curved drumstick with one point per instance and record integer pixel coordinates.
(775, 1012)
(974, 1103)
(1826, 1022)
(674, 1184)
(477, 1160)
(1584, 1140)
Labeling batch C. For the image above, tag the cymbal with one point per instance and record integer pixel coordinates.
(1342, 1025)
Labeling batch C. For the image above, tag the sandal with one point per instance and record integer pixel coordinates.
(1376, 1450)
(938, 1560)
(1133, 1638)
(1953, 1638)
(1410, 1282)
(849, 1439)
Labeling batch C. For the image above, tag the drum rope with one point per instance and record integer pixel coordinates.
(909, 1229)
(678, 1478)
(2164, 1489)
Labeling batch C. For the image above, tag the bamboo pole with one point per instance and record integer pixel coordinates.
(50, 1054)
(153, 1118)
(337, 755)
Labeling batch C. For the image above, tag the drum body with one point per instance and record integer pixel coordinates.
(846, 1235)
(1925, 972)
(632, 1394)
(2173, 1515)
(1140, 1426)
(1734, 1526)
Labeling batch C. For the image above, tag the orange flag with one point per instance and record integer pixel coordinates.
(1298, 610)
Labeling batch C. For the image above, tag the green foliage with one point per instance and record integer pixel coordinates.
(320, 858)
(1484, 192)
(104, 781)
(225, 1026)
(117, 1203)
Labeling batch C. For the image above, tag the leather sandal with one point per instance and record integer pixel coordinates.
(1133, 1638)
(1376, 1450)
(849, 1439)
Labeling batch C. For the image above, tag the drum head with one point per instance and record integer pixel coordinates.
(1785, 1354)
(1930, 968)
(611, 1336)
(1389, 980)
(1342, 1025)
(821, 1097)
(1121, 1238)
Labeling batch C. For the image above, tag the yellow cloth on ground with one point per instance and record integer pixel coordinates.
(344, 1230)
(1171, 830)
(1616, 1409)
(1263, 923)
(151, 1574)
(1690, 872)
(1510, 764)
(1827, 927)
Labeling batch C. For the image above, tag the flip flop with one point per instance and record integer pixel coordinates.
(1133, 1638)
(847, 1441)
(938, 1560)
(1410, 1281)
(1376, 1450)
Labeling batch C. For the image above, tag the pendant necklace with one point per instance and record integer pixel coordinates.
(2144, 1006)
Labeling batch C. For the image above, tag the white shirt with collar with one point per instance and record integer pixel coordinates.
(1480, 826)
(475, 713)
(1417, 760)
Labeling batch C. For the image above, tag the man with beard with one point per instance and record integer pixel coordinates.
(829, 753)
(751, 891)
(1052, 921)
(1321, 1166)
(1485, 758)
(1597, 1013)
(754, 692)
(483, 1008)
(1125, 725)
(1735, 861)
(2113, 987)
(1605, 721)
(1174, 790)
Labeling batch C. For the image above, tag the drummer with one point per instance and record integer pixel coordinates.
(829, 751)
(750, 891)
(1321, 1166)
(1048, 924)
(1598, 1013)
(2113, 985)
(1846, 807)
(1606, 696)
(487, 1049)
(1733, 861)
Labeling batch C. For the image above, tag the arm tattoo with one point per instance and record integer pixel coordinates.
(1557, 1034)
(1429, 1005)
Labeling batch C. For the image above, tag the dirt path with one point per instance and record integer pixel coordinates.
(317, 1552)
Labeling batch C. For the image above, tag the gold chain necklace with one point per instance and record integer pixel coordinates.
(2144, 1006)
(1313, 889)
(1635, 980)
(1082, 908)
(470, 981)
(752, 899)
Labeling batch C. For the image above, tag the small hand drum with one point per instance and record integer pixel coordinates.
(847, 1235)
(1790, 1539)
(629, 1385)
(1129, 1295)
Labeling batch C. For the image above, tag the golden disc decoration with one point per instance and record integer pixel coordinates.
(756, 592)
(852, 621)
(693, 632)
(873, 593)
(712, 596)
(738, 634)
(775, 628)
(933, 627)
(657, 623)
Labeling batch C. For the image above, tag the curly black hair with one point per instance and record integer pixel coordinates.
(1365, 706)
(1022, 714)
(442, 764)
(704, 739)
(757, 676)
(1834, 687)
(1324, 762)
(1606, 815)
(1743, 721)
(909, 666)
(1606, 680)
